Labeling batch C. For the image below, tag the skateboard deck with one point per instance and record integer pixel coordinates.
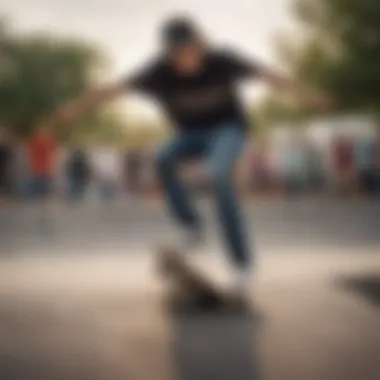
(192, 290)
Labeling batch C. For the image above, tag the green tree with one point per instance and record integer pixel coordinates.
(341, 53)
(38, 72)
(336, 49)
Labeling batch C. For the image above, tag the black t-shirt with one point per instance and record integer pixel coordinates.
(205, 100)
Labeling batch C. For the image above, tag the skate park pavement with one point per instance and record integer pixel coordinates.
(86, 302)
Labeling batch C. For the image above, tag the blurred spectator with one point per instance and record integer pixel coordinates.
(315, 171)
(78, 173)
(295, 169)
(343, 163)
(20, 169)
(376, 164)
(106, 167)
(6, 157)
(41, 154)
(260, 174)
(365, 161)
(133, 162)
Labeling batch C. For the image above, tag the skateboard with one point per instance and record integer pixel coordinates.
(191, 290)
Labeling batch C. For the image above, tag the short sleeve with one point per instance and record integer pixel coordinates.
(238, 66)
(145, 79)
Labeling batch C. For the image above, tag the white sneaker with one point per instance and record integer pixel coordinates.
(184, 242)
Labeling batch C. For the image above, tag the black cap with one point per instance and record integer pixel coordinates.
(178, 31)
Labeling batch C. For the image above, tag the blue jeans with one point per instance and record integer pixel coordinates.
(220, 148)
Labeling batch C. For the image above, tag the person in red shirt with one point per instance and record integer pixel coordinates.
(41, 152)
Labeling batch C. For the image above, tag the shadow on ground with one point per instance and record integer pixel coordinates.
(367, 286)
(214, 345)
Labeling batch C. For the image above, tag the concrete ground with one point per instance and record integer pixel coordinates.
(80, 298)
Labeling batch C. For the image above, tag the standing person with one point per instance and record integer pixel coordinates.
(133, 162)
(41, 155)
(196, 84)
(364, 157)
(20, 170)
(343, 163)
(78, 173)
(5, 166)
(106, 167)
(376, 164)
(260, 178)
(295, 168)
(316, 179)
(41, 151)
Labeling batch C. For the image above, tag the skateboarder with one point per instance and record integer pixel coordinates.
(195, 82)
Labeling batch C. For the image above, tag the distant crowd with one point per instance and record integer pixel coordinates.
(39, 166)
(342, 166)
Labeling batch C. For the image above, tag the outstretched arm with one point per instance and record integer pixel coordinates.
(306, 96)
(242, 67)
(91, 99)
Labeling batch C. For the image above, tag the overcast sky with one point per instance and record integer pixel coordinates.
(126, 29)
